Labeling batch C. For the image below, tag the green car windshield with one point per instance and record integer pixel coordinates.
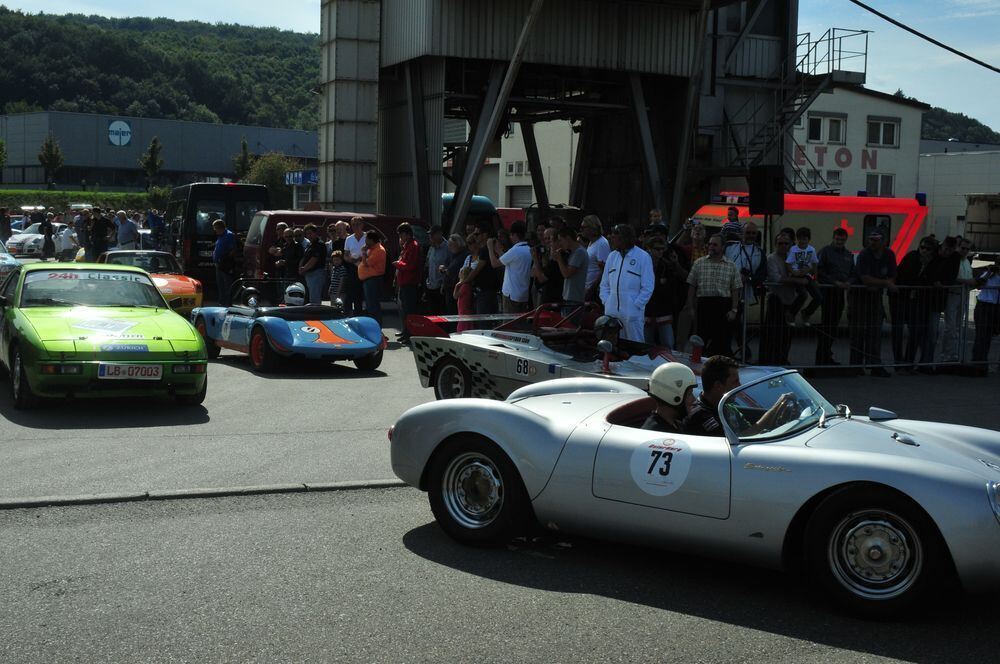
(89, 288)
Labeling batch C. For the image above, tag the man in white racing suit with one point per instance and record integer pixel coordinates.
(627, 282)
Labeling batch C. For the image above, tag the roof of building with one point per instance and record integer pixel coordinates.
(939, 146)
(885, 96)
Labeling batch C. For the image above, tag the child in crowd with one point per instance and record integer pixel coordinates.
(463, 297)
(337, 271)
(802, 262)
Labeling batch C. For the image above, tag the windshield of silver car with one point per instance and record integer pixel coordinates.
(776, 407)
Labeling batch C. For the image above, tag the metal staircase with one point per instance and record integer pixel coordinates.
(761, 128)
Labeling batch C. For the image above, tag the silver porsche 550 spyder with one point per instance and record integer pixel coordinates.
(878, 510)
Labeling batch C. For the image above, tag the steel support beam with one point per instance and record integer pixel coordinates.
(646, 138)
(690, 117)
(418, 141)
(534, 164)
(581, 165)
(496, 109)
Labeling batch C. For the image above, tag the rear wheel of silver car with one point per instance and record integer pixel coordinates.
(874, 550)
(24, 398)
(452, 379)
(476, 493)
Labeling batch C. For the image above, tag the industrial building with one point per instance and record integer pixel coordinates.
(104, 150)
(855, 139)
(669, 100)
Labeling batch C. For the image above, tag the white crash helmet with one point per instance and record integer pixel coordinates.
(670, 382)
(295, 295)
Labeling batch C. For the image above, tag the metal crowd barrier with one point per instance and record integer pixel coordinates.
(921, 328)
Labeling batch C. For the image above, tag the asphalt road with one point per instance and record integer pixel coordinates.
(367, 576)
(309, 424)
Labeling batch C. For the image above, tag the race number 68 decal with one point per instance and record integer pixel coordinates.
(660, 467)
(521, 367)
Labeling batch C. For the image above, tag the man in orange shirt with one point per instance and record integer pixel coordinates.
(370, 273)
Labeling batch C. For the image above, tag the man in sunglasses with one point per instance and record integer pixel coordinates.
(876, 270)
(627, 283)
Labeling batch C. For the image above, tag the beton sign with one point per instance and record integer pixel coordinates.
(842, 157)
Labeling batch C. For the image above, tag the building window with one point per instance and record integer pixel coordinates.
(519, 168)
(799, 122)
(833, 178)
(812, 178)
(883, 134)
(880, 184)
(835, 131)
(510, 168)
(815, 129)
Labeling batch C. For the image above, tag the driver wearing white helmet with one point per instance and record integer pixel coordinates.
(295, 295)
(672, 385)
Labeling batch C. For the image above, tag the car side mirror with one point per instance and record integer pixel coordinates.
(175, 303)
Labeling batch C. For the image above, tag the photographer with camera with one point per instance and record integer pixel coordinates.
(987, 313)
(545, 270)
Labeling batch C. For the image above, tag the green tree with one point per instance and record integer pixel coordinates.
(269, 169)
(3, 154)
(150, 162)
(242, 162)
(50, 156)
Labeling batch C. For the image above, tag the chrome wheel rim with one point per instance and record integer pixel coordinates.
(875, 554)
(450, 382)
(15, 375)
(473, 491)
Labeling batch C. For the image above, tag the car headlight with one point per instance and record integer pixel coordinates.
(993, 490)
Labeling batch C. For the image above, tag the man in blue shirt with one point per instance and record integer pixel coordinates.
(222, 258)
(128, 232)
(156, 227)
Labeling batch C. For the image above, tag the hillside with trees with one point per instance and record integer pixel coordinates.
(941, 125)
(158, 68)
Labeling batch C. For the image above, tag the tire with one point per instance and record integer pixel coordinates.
(210, 346)
(23, 397)
(451, 379)
(263, 359)
(476, 493)
(193, 399)
(369, 362)
(874, 551)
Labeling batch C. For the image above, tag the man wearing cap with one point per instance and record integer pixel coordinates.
(627, 282)
(876, 270)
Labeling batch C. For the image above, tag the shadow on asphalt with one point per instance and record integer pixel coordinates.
(301, 369)
(102, 413)
(959, 629)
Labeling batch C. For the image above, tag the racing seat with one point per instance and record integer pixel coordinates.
(632, 414)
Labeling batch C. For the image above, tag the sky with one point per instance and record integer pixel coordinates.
(896, 59)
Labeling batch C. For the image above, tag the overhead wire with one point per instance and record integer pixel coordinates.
(925, 37)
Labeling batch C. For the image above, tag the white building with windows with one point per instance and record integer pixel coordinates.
(855, 139)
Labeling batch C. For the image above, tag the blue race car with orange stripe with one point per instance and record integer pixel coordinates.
(311, 332)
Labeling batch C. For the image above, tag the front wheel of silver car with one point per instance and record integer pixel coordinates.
(476, 493)
(24, 398)
(874, 550)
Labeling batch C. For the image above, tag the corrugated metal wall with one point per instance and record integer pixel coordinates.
(349, 106)
(638, 37)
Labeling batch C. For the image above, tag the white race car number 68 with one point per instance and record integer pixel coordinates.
(521, 367)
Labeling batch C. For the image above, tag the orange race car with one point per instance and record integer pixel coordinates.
(166, 274)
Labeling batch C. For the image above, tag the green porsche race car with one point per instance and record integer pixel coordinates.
(95, 331)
